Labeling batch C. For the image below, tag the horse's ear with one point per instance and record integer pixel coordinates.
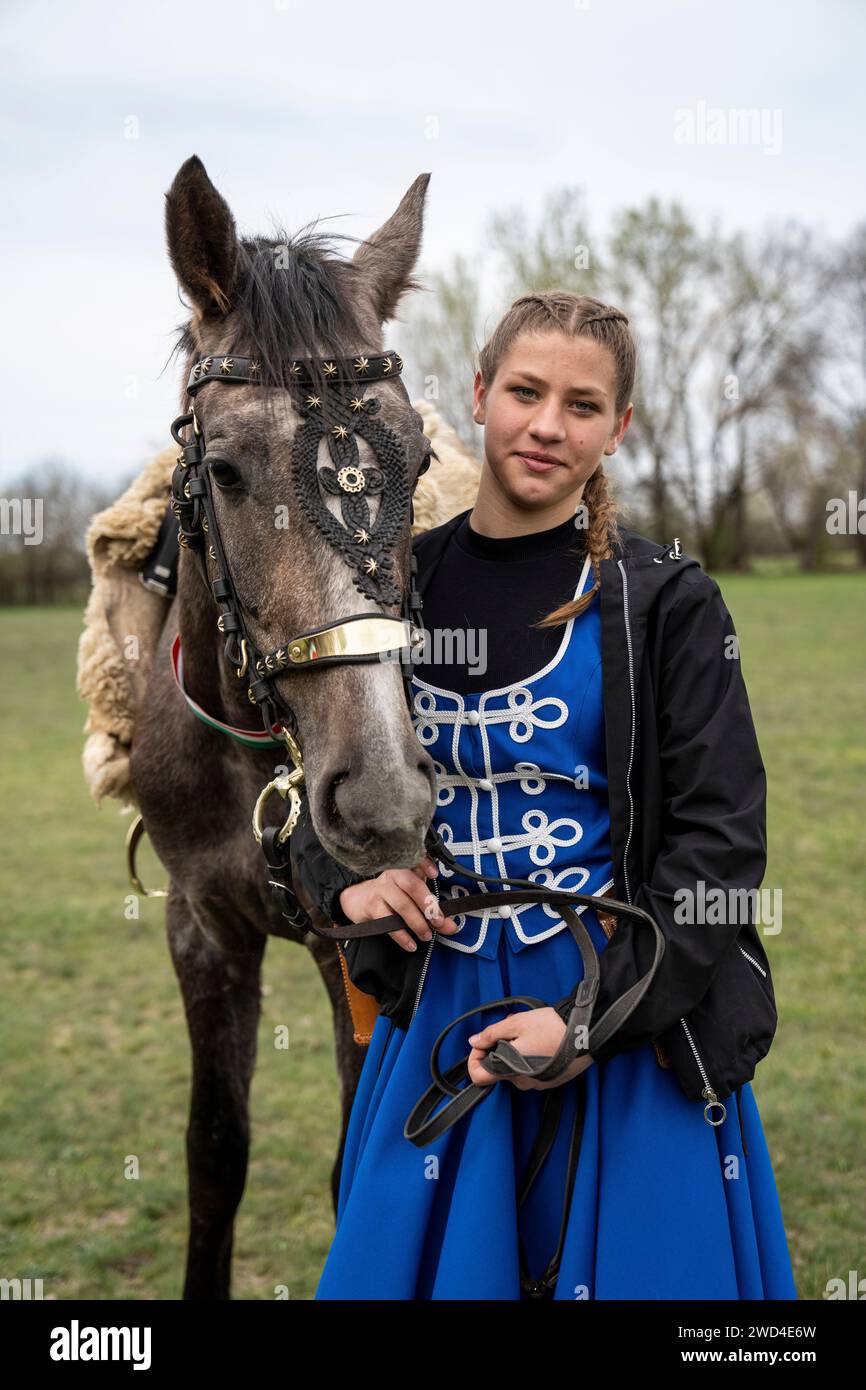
(202, 239)
(388, 256)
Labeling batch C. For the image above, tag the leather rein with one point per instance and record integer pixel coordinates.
(426, 1123)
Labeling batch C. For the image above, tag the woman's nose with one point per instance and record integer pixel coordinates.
(547, 424)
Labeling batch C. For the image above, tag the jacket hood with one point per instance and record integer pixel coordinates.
(648, 568)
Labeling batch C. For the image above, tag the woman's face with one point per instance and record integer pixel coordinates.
(553, 395)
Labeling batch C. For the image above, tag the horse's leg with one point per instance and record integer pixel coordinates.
(221, 996)
(350, 1057)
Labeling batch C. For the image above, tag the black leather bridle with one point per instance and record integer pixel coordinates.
(338, 414)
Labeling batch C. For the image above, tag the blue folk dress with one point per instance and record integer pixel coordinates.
(664, 1205)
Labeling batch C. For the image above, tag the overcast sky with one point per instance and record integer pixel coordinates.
(301, 110)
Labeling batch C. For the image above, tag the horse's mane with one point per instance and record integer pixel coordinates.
(292, 298)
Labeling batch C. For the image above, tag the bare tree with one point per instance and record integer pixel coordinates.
(799, 468)
(658, 271)
(843, 389)
(764, 344)
(50, 566)
(558, 252)
(441, 345)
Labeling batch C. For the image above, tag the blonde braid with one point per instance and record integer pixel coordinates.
(602, 535)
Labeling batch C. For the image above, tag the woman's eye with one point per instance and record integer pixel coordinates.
(224, 474)
(586, 404)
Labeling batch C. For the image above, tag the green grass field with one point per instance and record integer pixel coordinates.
(95, 1054)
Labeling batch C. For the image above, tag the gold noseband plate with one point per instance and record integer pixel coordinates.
(361, 637)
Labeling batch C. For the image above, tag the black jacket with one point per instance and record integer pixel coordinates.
(687, 796)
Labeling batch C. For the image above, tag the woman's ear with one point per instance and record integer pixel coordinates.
(620, 427)
(479, 399)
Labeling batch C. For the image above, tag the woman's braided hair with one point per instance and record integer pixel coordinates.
(581, 316)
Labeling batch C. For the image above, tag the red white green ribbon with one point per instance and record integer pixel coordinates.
(247, 736)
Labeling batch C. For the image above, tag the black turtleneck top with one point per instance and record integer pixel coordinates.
(498, 586)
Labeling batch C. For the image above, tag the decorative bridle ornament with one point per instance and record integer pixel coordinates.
(339, 415)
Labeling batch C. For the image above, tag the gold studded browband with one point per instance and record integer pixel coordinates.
(376, 367)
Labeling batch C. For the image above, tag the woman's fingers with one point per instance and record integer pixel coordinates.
(404, 893)
(387, 896)
(482, 1042)
(403, 939)
(424, 911)
(506, 1028)
(475, 1068)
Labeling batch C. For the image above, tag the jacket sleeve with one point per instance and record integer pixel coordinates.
(713, 796)
(317, 879)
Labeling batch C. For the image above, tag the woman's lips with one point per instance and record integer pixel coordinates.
(538, 465)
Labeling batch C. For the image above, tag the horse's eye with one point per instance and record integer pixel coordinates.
(224, 474)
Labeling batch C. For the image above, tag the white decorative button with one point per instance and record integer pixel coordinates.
(485, 784)
(473, 717)
(504, 911)
(494, 844)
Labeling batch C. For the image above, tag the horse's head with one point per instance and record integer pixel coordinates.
(309, 477)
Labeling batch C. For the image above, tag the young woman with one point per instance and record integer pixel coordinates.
(595, 735)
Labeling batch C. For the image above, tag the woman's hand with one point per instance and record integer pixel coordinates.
(403, 891)
(535, 1033)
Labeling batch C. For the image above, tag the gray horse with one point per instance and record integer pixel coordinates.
(371, 787)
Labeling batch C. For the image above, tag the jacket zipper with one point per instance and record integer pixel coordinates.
(708, 1093)
(633, 723)
(754, 962)
(427, 958)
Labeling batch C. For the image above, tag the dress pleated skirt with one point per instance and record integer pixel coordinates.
(664, 1205)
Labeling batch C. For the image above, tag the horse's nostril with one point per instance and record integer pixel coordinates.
(332, 793)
